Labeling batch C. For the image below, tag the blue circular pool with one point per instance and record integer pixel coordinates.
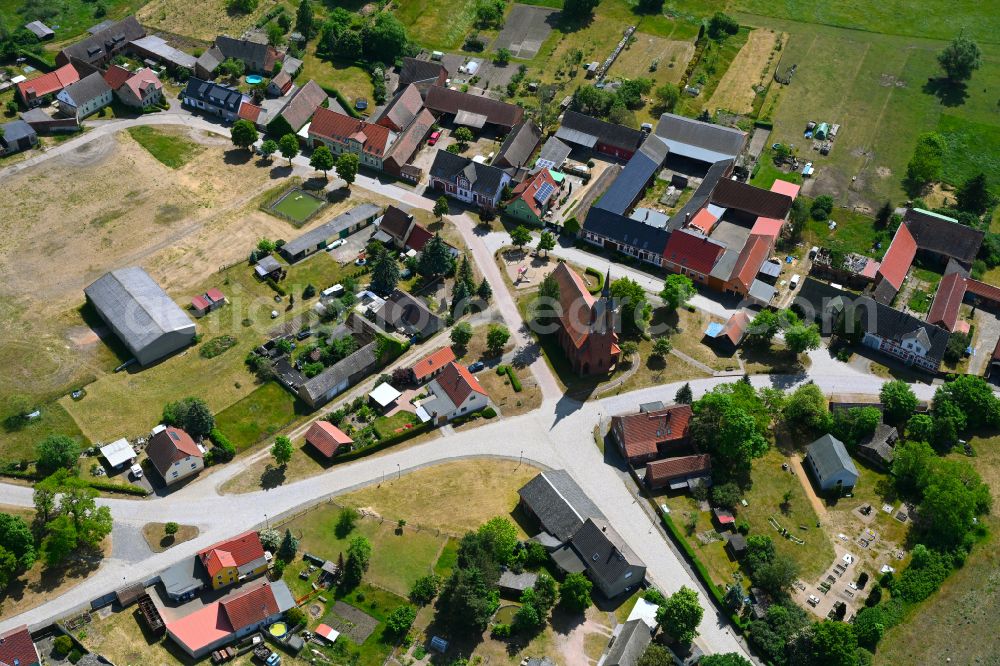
(254, 79)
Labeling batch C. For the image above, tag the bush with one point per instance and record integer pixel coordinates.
(217, 345)
(62, 644)
(721, 25)
(75, 655)
(599, 276)
(515, 382)
(222, 451)
(822, 206)
(112, 487)
(501, 631)
(296, 616)
(489, 413)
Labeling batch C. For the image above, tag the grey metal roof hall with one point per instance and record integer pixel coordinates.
(632, 181)
(558, 502)
(330, 229)
(700, 140)
(630, 644)
(138, 310)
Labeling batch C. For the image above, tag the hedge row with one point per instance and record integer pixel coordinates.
(515, 382)
(706, 578)
(600, 279)
(385, 443)
(124, 488)
(263, 20)
(348, 107)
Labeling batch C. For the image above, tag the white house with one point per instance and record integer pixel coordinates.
(175, 455)
(454, 393)
(88, 95)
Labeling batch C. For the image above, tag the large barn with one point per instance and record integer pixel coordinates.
(140, 313)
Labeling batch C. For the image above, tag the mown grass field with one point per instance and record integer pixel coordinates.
(70, 17)
(437, 25)
(259, 415)
(876, 88)
(167, 146)
(19, 442)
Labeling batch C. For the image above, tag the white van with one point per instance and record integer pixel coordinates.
(794, 282)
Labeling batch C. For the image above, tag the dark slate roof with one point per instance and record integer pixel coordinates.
(632, 181)
(416, 71)
(244, 50)
(741, 196)
(576, 127)
(88, 88)
(330, 229)
(210, 59)
(892, 324)
(554, 153)
(606, 554)
(445, 100)
(829, 456)
(138, 308)
(39, 29)
(943, 235)
(402, 310)
(97, 46)
(624, 230)
(16, 130)
(700, 140)
(879, 445)
(558, 502)
(212, 93)
(520, 144)
(629, 645)
(359, 361)
(716, 172)
(485, 179)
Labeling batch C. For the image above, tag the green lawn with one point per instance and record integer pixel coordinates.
(875, 87)
(398, 559)
(70, 18)
(920, 301)
(764, 500)
(19, 442)
(765, 173)
(298, 205)
(168, 147)
(715, 60)
(941, 19)
(435, 24)
(387, 426)
(259, 415)
(351, 80)
(854, 233)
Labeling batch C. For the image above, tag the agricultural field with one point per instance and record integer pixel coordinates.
(752, 67)
(437, 25)
(202, 21)
(68, 18)
(877, 91)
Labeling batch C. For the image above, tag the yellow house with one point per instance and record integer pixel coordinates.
(234, 560)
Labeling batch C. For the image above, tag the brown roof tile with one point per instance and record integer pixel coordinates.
(327, 438)
(445, 100)
(663, 471)
(763, 203)
(170, 445)
(641, 433)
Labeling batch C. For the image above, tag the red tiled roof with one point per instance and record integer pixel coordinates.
(431, 364)
(235, 552)
(458, 383)
(870, 269)
(786, 188)
(215, 295)
(419, 236)
(704, 221)
(200, 303)
(144, 79)
(337, 127)
(575, 304)
(446, 100)
(48, 84)
(752, 256)
(170, 445)
(640, 433)
(663, 471)
(327, 438)
(116, 76)
(736, 327)
(16, 647)
(249, 111)
(692, 251)
(527, 190)
(947, 301)
(767, 226)
(985, 291)
(898, 258)
(201, 628)
(254, 606)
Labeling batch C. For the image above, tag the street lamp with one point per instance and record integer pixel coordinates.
(398, 472)
(266, 524)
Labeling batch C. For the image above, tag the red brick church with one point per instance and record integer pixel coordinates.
(588, 330)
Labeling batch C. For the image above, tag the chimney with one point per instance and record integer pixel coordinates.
(687, 219)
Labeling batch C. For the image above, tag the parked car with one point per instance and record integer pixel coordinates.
(303, 334)
(434, 138)
(136, 471)
(477, 366)
(794, 282)
(335, 244)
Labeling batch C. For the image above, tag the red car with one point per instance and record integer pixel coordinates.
(434, 138)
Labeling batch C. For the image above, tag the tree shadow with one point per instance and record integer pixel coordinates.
(237, 156)
(272, 477)
(316, 183)
(167, 541)
(280, 171)
(949, 93)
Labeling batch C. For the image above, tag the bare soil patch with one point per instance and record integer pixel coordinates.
(751, 67)
(673, 57)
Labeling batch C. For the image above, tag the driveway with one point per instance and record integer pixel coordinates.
(817, 503)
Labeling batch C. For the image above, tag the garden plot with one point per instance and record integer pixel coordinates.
(351, 622)
(751, 67)
(671, 58)
(526, 29)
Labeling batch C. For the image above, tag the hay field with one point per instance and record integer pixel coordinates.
(203, 20)
(635, 60)
(752, 66)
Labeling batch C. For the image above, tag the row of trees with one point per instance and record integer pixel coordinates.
(350, 36)
(244, 135)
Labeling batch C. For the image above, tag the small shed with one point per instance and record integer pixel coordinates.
(267, 267)
(384, 395)
(513, 585)
(129, 594)
(723, 518)
(40, 30)
(327, 632)
(119, 453)
(736, 545)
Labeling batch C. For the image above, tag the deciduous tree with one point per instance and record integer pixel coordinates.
(441, 207)
(322, 160)
(960, 58)
(281, 450)
(520, 236)
(56, 452)
(461, 333)
(289, 147)
(681, 615)
(546, 242)
(244, 134)
(268, 148)
(496, 338)
(347, 167)
(635, 309)
(677, 291)
(898, 401)
(574, 592)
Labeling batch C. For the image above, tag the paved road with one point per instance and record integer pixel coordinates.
(558, 435)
